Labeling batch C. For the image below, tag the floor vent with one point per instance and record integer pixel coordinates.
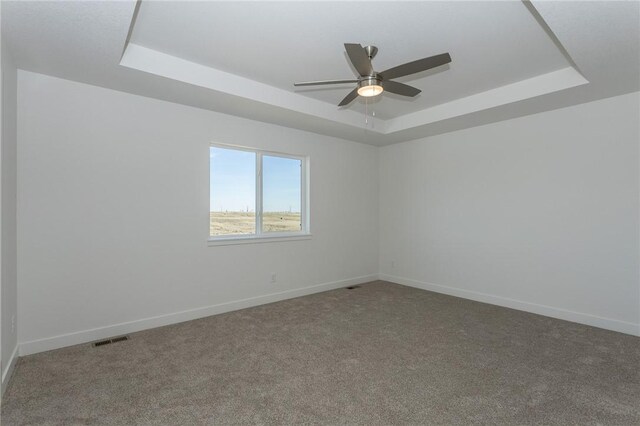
(351, 287)
(107, 341)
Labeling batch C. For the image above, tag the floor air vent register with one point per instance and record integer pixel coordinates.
(108, 341)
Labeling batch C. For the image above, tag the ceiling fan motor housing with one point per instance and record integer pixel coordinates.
(373, 80)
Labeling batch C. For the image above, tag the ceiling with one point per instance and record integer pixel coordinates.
(302, 41)
(508, 58)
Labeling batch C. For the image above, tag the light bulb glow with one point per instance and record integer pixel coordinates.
(370, 86)
(370, 90)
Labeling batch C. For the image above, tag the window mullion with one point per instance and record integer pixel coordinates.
(258, 193)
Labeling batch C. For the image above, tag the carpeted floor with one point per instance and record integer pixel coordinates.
(379, 354)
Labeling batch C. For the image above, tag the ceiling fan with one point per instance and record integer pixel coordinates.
(371, 83)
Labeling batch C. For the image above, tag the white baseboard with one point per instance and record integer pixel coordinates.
(85, 336)
(549, 311)
(8, 372)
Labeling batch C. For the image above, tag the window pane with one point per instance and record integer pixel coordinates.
(281, 194)
(232, 197)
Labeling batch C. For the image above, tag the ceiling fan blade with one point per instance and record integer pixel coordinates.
(349, 98)
(359, 58)
(399, 88)
(320, 82)
(416, 66)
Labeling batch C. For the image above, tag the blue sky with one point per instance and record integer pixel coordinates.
(232, 181)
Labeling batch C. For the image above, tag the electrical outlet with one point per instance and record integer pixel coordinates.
(393, 264)
(274, 278)
(13, 324)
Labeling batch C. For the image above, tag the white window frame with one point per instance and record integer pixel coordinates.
(259, 236)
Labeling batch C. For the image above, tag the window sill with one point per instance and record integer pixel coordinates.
(226, 241)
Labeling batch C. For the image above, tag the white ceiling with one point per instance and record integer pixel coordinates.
(508, 58)
(277, 44)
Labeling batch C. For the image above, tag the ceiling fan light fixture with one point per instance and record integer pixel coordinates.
(369, 87)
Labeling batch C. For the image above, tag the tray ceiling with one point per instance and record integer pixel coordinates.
(492, 44)
(508, 58)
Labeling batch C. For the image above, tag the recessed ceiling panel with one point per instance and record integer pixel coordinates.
(242, 58)
(492, 44)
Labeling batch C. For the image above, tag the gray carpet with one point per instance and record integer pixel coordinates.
(380, 354)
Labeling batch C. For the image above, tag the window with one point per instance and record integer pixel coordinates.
(256, 194)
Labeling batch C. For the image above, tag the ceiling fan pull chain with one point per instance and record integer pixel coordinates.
(366, 114)
(366, 111)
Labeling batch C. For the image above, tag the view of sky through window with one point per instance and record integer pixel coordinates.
(281, 183)
(232, 177)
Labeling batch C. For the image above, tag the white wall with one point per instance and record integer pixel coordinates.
(8, 275)
(113, 214)
(539, 213)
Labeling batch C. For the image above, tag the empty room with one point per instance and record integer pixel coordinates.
(320, 212)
